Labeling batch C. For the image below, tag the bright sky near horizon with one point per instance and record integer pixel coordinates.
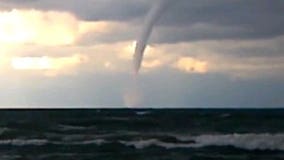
(201, 53)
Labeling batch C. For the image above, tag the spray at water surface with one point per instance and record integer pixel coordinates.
(133, 96)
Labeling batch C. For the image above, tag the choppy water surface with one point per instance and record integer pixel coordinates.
(178, 134)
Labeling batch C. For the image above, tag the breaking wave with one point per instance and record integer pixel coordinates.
(3, 130)
(62, 127)
(141, 113)
(242, 141)
(249, 141)
(23, 142)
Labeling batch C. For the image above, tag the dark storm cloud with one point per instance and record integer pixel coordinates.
(238, 19)
(259, 51)
(185, 20)
(113, 10)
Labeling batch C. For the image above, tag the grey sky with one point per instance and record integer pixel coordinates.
(240, 41)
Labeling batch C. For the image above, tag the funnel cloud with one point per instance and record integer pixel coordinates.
(149, 23)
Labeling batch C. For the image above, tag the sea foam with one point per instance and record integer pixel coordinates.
(244, 141)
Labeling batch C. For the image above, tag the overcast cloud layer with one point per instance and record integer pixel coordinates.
(202, 53)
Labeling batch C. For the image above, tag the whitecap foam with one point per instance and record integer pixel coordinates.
(70, 127)
(225, 115)
(23, 142)
(93, 141)
(154, 142)
(4, 129)
(80, 142)
(141, 113)
(244, 141)
(10, 157)
(141, 143)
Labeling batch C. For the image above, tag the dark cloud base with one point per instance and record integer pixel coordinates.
(252, 20)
